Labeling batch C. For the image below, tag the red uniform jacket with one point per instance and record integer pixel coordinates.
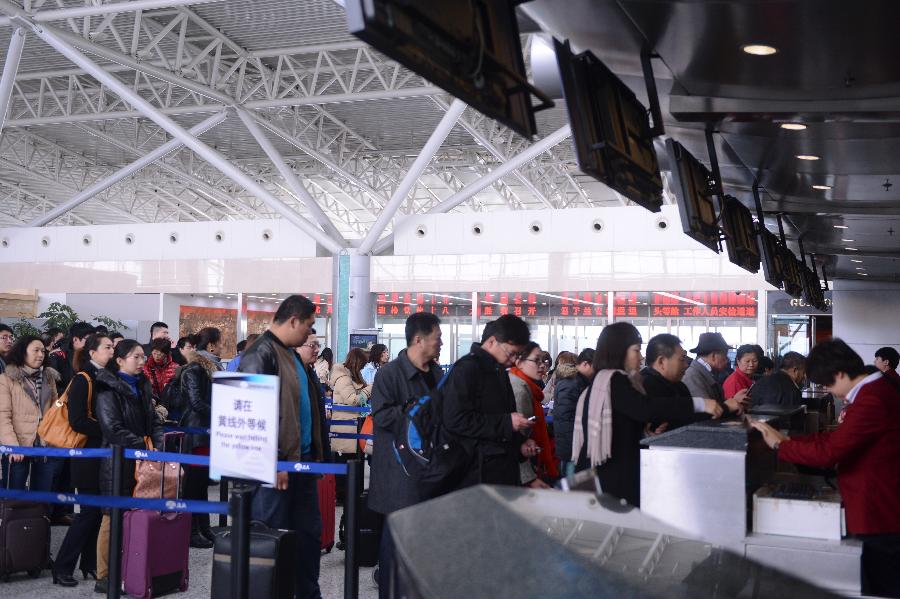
(866, 450)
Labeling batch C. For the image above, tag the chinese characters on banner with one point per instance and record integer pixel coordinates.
(244, 426)
(705, 304)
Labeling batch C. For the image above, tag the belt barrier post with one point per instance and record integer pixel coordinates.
(223, 497)
(351, 528)
(114, 579)
(240, 542)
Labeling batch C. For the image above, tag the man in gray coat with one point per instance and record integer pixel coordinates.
(712, 357)
(413, 374)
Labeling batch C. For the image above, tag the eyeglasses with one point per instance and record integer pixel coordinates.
(315, 345)
(537, 361)
(6, 338)
(511, 355)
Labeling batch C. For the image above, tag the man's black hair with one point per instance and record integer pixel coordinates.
(241, 345)
(100, 328)
(663, 345)
(157, 325)
(765, 363)
(890, 355)
(420, 323)
(5, 327)
(831, 357)
(192, 339)
(80, 330)
(793, 359)
(116, 335)
(613, 344)
(294, 306)
(208, 335)
(507, 329)
(586, 355)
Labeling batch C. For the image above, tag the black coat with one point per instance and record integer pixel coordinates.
(85, 473)
(125, 420)
(565, 400)
(62, 362)
(196, 402)
(777, 388)
(620, 475)
(477, 402)
(397, 383)
(656, 385)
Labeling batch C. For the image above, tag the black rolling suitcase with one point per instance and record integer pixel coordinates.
(24, 538)
(370, 525)
(271, 563)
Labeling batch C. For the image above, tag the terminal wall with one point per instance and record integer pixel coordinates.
(865, 315)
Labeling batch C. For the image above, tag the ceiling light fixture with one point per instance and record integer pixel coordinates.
(679, 298)
(857, 261)
(851, 249)
(840, 226)
(793, 126)
(759, 50)
(848, 240)
(863, 274)
(807, 157)
(860, 268)
(822, 187)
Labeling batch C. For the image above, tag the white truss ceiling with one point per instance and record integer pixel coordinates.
(348, 121)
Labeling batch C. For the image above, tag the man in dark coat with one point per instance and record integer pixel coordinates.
(479, 408)
(570, 382)
(782, 387)
(700, 377)
(413, 374)
(294, 503)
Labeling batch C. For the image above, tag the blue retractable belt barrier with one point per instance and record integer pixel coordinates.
(312, 468)
(128, 503)
(189, 430)
(340, 408)
(350, 436)
(53, 452)
(166, 456)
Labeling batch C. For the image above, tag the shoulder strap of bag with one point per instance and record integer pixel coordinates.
(90, 399)
(445, 377)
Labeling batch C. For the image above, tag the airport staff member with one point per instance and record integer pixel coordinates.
(866, 450)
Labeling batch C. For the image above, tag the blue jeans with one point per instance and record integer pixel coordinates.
(296, 509)
(44, 473)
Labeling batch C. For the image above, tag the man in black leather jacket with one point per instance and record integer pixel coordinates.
(293, 504)
(479, 408)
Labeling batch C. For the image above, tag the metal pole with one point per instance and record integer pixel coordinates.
(214, 157)
(124, 172)
(105, 9)
(223, 497)
(293, 182)
(517, 161)
(114, 578)
(239, 506)
(10, 68)
(431, 147)
(351, 528)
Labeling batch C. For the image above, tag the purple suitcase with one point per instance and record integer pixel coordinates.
(155, 551)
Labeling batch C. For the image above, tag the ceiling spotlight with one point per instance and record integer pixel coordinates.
(807, 157)
(793, 126)
(848, 240)
(863, 274)
(851, 249)
(840, 226)
(822, 187)
(857, 261)
(759, 50)
(860, 268)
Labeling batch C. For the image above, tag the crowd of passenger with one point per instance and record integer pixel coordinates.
(507, 414)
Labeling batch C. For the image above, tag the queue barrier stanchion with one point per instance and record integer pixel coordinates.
(114, 577)
(240, 542)
(223, 496)
(351, 504)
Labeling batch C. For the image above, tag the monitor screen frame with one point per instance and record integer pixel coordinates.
(687, 173)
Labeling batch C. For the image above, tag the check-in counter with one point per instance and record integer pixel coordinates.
(719, 481)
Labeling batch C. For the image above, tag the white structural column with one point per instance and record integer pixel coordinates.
(290, 177)
(10, 68)
(517, 161)
(104, 9)
(124, 172)
(412, 175)
(214, 157)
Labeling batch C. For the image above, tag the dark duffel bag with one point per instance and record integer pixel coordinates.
(271, 563)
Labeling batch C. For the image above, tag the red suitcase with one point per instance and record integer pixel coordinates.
(327, 506)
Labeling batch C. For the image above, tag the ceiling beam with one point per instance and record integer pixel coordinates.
(93, 10)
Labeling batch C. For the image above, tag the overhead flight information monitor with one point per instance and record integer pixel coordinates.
(693, 195)
(740, 234)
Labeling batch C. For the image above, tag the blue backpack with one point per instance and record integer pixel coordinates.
(424, 450)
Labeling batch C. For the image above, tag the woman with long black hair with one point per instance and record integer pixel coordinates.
(81, 538)
(611, 415)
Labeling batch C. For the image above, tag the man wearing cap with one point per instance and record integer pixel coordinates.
(712, 357)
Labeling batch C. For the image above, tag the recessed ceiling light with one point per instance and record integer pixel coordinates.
(863, 274)
(807, 157)
(860, 268)
(793, 126)
(851, 249)
(823, 187)
(848, 240)
(211, 296)
(857, 261)
(759, 50)
(841, 227)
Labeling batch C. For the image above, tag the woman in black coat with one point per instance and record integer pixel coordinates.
(124, 409)
(196, 399)
(81, 538)
(619, 350)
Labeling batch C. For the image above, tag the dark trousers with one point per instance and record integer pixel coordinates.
(881, 565)
(296, 509)
(81, 540)
(196, 482)
(44, 473)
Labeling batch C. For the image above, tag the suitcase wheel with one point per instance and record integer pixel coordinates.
(34, 573)
(329, 548)
(340, 545)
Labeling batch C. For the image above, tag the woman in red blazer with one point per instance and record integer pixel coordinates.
(865, 448)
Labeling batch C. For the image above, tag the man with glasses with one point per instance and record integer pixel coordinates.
(865, 448)
(6, 343)
(479, 409)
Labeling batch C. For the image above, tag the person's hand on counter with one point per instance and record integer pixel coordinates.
(772, 437)
(712, 407)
